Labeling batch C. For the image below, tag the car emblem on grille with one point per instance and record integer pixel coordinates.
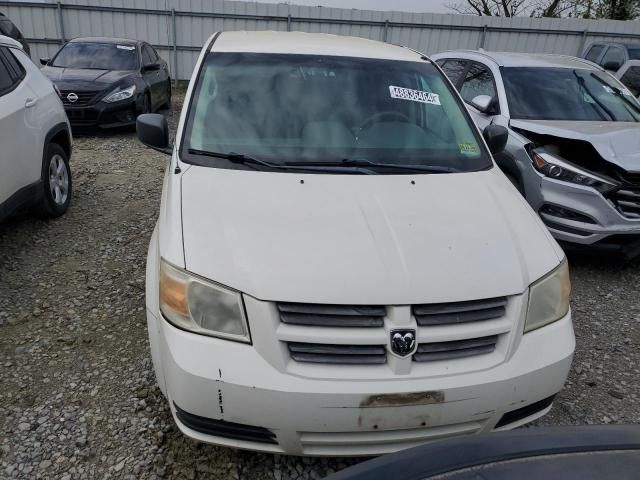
(72, 97)
(403, 342)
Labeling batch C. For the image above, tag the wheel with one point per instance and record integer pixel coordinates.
(167, 104)
(56, 183)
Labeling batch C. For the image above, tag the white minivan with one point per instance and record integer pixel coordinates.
(338, 267)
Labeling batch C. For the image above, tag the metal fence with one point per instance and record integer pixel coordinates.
(179, 28)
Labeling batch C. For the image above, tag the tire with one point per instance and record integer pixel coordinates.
(57, 185)
(167, 104)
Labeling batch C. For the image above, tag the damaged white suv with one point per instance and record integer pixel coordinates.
(339, 268)
(574, 141)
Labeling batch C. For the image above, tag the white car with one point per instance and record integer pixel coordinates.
(35, 137)
(339, 268)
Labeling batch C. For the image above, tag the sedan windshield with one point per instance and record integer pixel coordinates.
(97, 56)
(314, 110)
(566, 94)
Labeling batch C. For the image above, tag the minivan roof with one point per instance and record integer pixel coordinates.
(310, 44)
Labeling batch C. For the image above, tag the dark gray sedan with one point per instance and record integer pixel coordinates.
(108, 82)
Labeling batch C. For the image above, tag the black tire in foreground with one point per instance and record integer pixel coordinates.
(603, 452)
(56, 182)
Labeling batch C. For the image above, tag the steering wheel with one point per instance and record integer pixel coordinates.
(378, 116)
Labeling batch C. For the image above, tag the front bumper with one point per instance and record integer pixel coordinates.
(332, 416)
(104, 115)
(599, 225)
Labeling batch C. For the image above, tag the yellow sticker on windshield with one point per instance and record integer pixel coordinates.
(466, 147)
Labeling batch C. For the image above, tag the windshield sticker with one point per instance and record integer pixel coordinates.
(414, 95)
(608, 89)
(125, 47)
(626, 92)
(468, 148)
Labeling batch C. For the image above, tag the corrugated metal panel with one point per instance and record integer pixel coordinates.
(196, 20)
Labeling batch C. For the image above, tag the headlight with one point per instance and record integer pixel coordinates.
(555, 167)
(549, 298)
(200, 306)
(120, 94)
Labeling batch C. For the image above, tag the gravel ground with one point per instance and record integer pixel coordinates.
(78, 397)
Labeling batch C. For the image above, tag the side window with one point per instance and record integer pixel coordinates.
(631, 80)
(478, 81)
(154, 54)
(453, 69)
(147, 55)
(11, 71)
(614, 55)
(594, 53)
(6, 82)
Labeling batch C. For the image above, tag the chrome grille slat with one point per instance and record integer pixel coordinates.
(337, 354)
(318, 315)
(431, 352)
(459, 312)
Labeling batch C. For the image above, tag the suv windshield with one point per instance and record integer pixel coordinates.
(566, 94)
(308, 109)
(97, 56)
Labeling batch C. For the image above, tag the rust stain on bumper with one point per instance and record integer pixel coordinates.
(403, 399)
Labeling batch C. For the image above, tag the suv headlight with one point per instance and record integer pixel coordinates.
(555, 167)
(549, 298)
(200, 306)
(120, 94)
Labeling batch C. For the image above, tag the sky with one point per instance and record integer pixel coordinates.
(437, 6)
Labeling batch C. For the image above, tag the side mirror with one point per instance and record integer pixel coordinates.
(45, 61)
(612, 65)
(153, 131)
(496, 137)
(151, 67)
(484, 103)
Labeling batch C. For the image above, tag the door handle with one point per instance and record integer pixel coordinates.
(30, 102)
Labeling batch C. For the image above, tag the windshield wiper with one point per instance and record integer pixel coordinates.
(354, 162)
(583, 84)
(243, 159)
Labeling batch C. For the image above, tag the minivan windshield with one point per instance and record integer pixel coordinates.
(97, 56)
(314, 110)
(536, 93)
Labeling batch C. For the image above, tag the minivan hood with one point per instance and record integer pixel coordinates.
(616, 142)
(362, 239)
(84, 79)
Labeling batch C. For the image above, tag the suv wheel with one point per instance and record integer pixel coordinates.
(56, 183)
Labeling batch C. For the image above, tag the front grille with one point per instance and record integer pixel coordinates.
(221, 428)
(432, 352)
(317, 315)
(627, 200)
(459, 312)
(356, 334)
(84, 98)
(337, 354)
